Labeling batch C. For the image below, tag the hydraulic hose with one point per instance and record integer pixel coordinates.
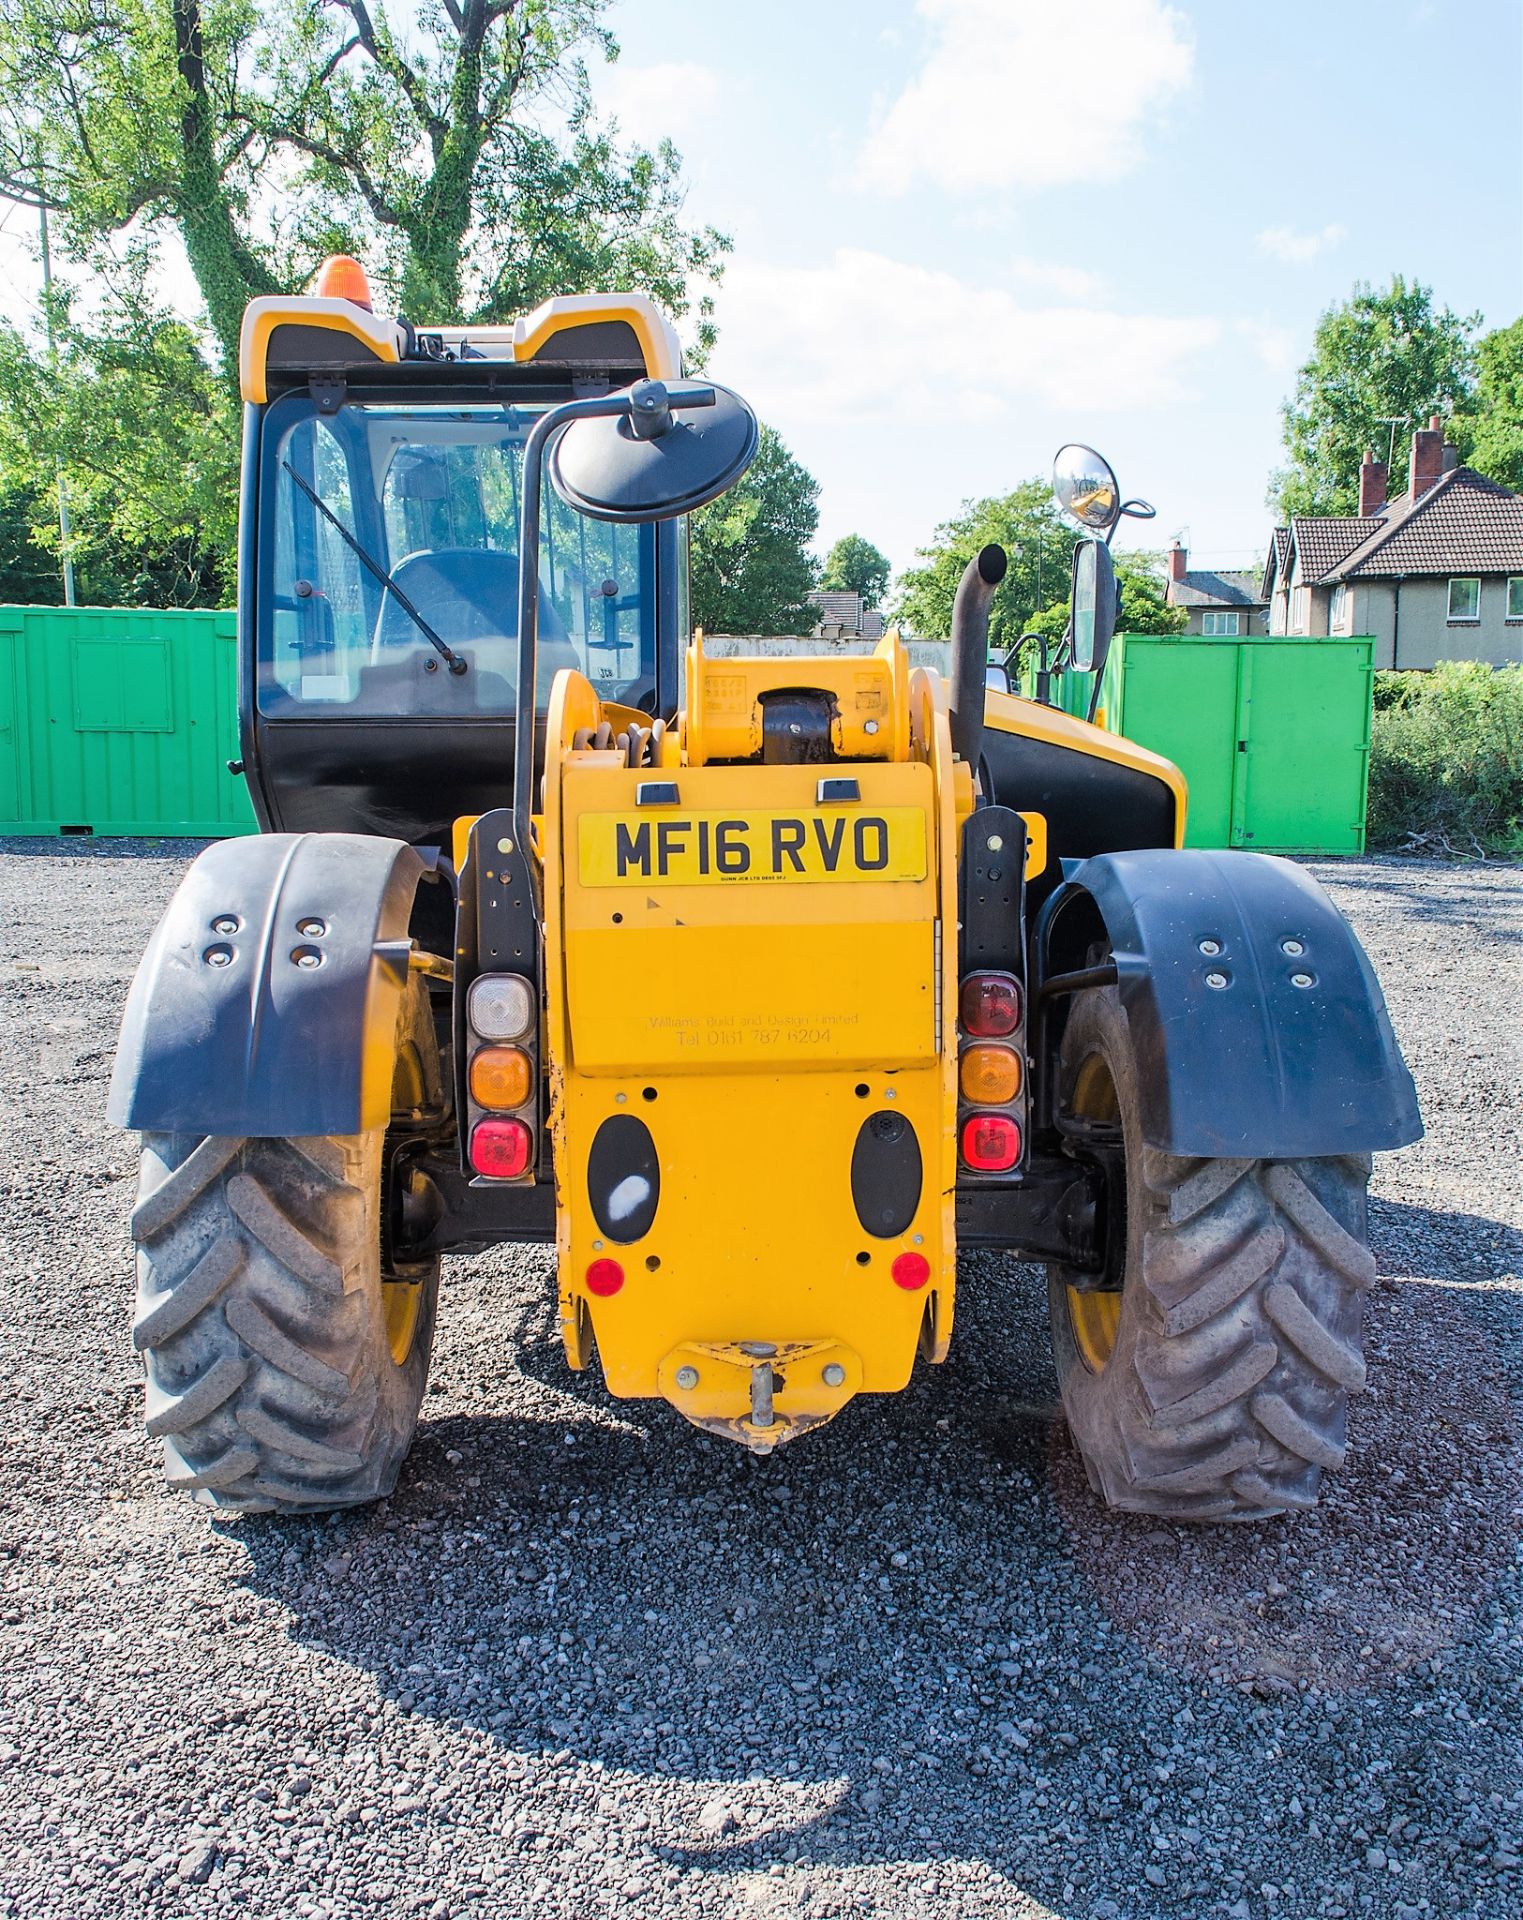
(970, 650)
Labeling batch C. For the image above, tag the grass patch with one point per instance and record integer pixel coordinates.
(1446, 761)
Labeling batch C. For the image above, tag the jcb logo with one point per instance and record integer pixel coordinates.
(699, 848)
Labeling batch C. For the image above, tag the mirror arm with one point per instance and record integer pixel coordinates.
(649, 405)
(601, 406)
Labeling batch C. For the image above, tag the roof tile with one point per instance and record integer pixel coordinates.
(1464, 523)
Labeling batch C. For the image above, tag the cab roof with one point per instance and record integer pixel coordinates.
(289, 342)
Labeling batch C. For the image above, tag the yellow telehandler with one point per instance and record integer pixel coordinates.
(761, 987)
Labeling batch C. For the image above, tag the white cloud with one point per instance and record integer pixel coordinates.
(671, 100)
(866, 337)
(1025, 93)
(1068, 283)
(1299, 249)
(1275, 346)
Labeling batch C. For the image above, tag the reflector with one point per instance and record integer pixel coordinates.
(501, 1149)
(991, 1142)
(604, 1277)
(991, 1004)
(911, 1270)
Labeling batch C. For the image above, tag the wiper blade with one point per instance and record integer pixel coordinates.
(378, 572)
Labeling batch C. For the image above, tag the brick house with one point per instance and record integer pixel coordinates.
(1217, 605)
(1436, 574)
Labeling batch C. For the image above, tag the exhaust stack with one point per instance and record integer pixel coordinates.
(970, 650)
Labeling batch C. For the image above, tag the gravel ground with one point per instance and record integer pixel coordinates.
(586, 1662)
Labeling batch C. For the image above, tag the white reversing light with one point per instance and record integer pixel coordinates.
(501, 1006)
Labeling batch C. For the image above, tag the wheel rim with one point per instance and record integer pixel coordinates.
(1095, 1316)
(403, 1299)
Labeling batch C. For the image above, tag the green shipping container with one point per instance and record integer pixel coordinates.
(1272, 734)
(119, 721)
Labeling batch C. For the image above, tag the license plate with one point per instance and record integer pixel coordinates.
(696, 849)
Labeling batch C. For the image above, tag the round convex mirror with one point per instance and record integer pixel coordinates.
(1086, 488)
(605, 468)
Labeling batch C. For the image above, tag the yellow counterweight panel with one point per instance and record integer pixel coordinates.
(752, 1019)
(776, 963)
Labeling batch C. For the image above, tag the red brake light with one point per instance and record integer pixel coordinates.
(991, 1142)
(501, 1149)
(991, 1005)
(911, 1271)
(605, 1277)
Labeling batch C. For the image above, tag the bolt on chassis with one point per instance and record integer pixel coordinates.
(758, 986)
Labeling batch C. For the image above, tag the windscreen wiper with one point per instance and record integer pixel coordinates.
(378, 572)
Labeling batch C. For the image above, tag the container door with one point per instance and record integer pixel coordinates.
(1303, 737)
(1181, 701)
(10, 765)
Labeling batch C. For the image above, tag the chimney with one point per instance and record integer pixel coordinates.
(1427, 462)
(1179, 560)
(1372, 485)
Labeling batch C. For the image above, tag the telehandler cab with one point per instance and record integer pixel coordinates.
(759, 986)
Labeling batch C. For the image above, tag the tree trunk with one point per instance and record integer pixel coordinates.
(227, 270)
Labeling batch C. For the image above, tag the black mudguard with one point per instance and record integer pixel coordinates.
(227, 1032)
(1261, 1067)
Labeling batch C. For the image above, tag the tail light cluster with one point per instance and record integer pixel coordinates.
(502, 1076)
(991, 1074)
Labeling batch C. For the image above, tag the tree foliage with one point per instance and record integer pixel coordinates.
(1039, 542)
(1380, 355)
(751, 566)
(1490, 431)
(1144, 602)
(854, 565)
(452, 147)
(142, 432)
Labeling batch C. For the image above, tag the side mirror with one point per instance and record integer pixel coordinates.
(1086, 487)
(997, 675)
(1092, 618)
(648, 464)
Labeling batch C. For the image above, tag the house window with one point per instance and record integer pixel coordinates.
(1339, 620)
(1465, 598)
(1221, 625)
(1515, 597)
(1300, 610)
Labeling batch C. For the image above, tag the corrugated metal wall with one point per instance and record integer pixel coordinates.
(119, 721)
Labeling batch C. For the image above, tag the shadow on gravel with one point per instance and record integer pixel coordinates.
(923, 1622)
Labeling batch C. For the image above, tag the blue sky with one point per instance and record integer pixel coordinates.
(946, 262)
(968, 230)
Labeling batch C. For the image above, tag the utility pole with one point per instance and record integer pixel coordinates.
(65, 526)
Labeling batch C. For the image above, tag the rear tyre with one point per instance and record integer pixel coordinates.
(285, 1366)
(1209, 1379)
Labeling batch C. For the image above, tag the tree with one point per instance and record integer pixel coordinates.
(1040, 543)
(1490, 432)
(141, 430)
(1379, 356)
(453, 149)
(855, 565)
(751, 566)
